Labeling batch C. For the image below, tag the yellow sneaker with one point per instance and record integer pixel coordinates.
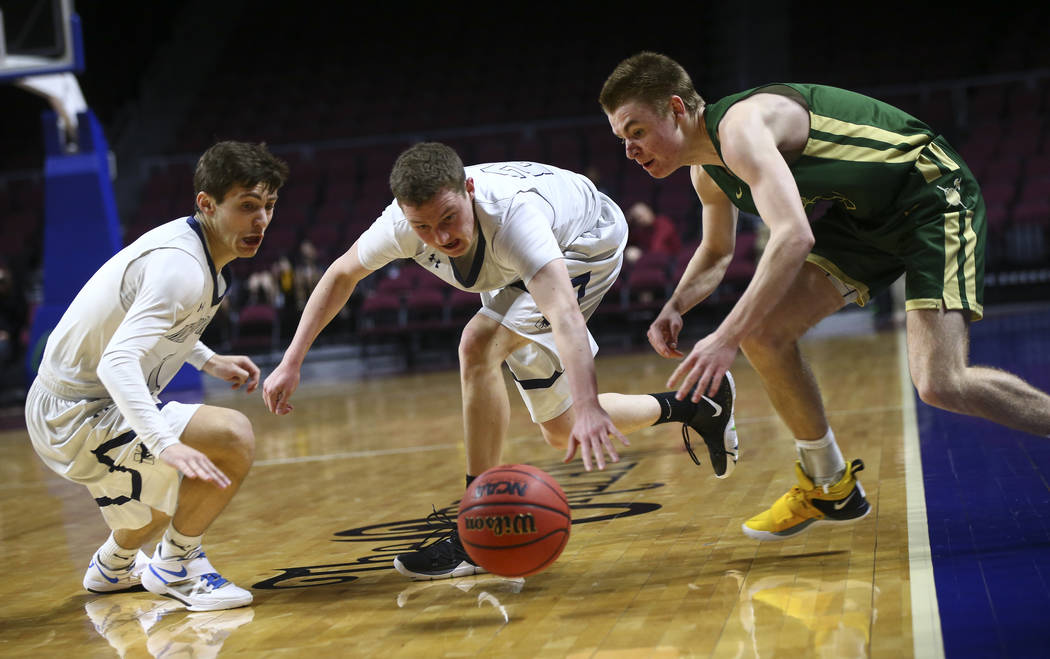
(807, 505)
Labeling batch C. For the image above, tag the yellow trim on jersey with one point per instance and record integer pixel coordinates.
(863, 294)
(839, 127)
(930, 168)
(851, 152)
(923, 303)
(976, 310)
(953, 296)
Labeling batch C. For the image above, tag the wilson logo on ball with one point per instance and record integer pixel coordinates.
(497, 525)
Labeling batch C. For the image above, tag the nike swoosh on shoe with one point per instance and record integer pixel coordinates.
(104, 575)
(718, 408)
(839, 505)
(180, 573)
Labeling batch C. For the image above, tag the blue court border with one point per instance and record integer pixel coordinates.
(987, 493)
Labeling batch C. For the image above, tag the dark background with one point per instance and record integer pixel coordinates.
(725, 48)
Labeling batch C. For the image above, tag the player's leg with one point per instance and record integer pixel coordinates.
(827, 490)
(117, 565)
(630, 412)
(944, 291)
(774, 352)
(712, 419)
(137, 538)
(938, 355)
(483, 347)
(179, 567)
(89, 442)
(227, 438)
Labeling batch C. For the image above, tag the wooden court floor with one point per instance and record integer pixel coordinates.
(656, 565)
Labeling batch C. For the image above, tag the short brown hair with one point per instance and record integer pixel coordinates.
(652, 79)
(226, 164)
(425, 169)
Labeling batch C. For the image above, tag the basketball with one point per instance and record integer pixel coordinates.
(514, 520)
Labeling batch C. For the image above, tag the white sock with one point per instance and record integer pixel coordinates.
(177, 545)
(821, 459)
(115, 557)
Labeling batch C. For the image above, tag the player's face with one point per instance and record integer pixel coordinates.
(650, 139)
(237, 225)
(446, 221)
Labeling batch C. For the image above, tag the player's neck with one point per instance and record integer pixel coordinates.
(219, 257)
(699, 149)
(467, 258)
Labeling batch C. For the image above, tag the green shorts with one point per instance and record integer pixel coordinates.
(934, 234)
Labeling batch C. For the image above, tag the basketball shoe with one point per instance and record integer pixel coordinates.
(100, 579)
(440, 555)
(807, 505)
(717, 429)
(193, 581)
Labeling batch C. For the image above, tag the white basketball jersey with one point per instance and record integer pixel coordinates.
(528, 215)
(139, 318)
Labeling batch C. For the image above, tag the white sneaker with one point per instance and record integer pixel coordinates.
(193, 581)
(101, 579)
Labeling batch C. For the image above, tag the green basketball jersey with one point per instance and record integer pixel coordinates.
(859, 155)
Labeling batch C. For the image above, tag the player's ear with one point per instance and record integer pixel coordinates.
(677, 106)
(206, 203)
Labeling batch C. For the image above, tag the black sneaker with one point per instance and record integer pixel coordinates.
(718, 429)
(440, 556)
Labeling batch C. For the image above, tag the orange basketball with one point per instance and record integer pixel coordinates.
(514, 520)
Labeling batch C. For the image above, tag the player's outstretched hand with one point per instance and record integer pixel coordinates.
(191, 463)
(279, 387)
(663, 333)
(593, 433)
(704, 368)
(238, 370)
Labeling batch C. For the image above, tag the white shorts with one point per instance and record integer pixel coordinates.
(89, 442)
(593, 262)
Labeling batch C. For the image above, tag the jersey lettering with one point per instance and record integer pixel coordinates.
(517, 169)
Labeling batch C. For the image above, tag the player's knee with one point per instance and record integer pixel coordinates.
(557, 438)
(939, 391)
(474, 349)
(556, 432)
(766, 340)
(237, 440)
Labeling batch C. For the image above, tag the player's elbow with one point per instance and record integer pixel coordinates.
(112, 364)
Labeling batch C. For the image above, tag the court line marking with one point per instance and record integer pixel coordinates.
(355, 454)
(375, 452)
(927, 640)
(510, 440)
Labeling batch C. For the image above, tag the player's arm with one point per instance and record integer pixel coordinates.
(161, 288)
(558, 303)
(750, 135)
(706, 267)
(709, 263)
(328, 297)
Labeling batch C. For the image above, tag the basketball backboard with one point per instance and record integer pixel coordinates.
(39, 37)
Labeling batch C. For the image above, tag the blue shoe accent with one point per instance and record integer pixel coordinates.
(104, 575)
(180, 574)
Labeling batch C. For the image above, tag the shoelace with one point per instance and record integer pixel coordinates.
(797, 495)
(718, 450)
(214, 579)
(443, 529)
